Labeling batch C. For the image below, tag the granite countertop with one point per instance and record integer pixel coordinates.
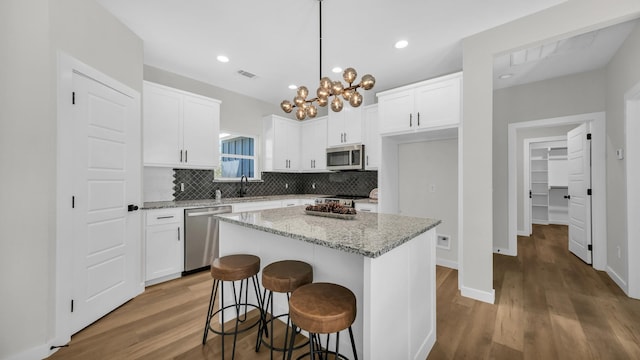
(227, 201)
(369, 234)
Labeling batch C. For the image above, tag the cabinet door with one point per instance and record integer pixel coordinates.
(438, 104)
(352, 125)
(286, 145)
(335, 128)
(164, 251)
(372, 138)
(201, 128)
(162, 126)
(313, 145)
(293, 146)
(396, 112)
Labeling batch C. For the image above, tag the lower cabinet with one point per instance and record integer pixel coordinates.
(366, 207)
(164, 241)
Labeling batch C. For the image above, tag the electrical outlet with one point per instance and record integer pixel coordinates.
(619, 254)
(286, 185)
(181, 186)
(313, 185)
(432, 188)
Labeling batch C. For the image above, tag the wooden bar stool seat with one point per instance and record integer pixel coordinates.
(282, 277)
(323, 308)
(233, 268)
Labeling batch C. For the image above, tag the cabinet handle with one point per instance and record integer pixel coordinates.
(367, 160)
(345, 137)
(410, 120)
(180, 155)
(341, 138)
(178, 233)
(185, 156)
(418, 119)
(164, 217)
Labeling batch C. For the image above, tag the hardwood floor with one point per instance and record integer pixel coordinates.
(549, 305)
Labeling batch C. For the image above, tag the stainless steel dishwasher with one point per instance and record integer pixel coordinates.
(201, 237)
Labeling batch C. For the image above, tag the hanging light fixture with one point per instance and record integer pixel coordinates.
(307, 107)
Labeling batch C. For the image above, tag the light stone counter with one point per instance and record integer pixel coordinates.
(369, 234)
(225, 201)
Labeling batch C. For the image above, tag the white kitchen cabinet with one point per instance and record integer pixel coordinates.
(344, 127)
(366, 207)
(256, 205)
(164, 245)
(314, 145)
(180, 128)
(423, 106)
(281, 144)
(371, 137)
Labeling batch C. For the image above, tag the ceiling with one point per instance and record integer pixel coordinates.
(585, 52)
(278, 41)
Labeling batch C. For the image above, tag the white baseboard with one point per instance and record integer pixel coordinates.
(39, 352)
(504, 251)
(522, 233)
(484, 296)
(447, 263)
(618, 280)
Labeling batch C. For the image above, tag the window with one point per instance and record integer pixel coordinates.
(237, 157)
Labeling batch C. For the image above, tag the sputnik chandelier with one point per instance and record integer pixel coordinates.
(305, 107)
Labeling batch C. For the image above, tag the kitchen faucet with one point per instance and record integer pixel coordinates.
(243, 185)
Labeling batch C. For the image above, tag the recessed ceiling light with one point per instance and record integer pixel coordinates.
(336, 69)
(222, 59)
(401, 44)
(505, 76)
(292, 87)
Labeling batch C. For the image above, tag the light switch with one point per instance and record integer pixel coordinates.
(620, 154)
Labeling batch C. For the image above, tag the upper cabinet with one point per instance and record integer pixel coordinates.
(371, 137)
(344, 127)
(180, 128)
(314, 145)
(422, 106)
(281, 144)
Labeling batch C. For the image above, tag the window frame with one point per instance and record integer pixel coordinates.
(255, 157)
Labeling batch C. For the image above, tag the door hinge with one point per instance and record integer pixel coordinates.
(589, 136)
(73, 202)
(71, 305)
(588, 191)
(590, 247)
(73, 98)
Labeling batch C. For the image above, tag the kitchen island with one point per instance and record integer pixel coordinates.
(388, 261)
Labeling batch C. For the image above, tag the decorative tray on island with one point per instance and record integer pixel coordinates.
(331, 215)
(331, 210)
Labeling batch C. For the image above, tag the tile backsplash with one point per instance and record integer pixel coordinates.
(199, 184)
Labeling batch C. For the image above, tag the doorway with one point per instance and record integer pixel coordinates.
(598, 199)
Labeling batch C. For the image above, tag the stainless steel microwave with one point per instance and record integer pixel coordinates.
(349, 157)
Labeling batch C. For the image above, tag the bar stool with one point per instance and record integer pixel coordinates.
(282, 277)
(322, 308)
(232, 268)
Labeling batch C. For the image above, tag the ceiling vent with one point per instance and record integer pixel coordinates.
(246, 74)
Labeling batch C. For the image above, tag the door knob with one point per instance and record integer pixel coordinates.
(132, 207)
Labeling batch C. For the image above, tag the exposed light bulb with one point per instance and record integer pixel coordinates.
(223, 59)
(401, 44)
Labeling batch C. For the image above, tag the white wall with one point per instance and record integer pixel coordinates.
(31, 32)
(623, 72)
(428, 187)
(561, 21)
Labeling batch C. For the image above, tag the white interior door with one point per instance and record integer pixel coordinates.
(579, 171)
(106, 168)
